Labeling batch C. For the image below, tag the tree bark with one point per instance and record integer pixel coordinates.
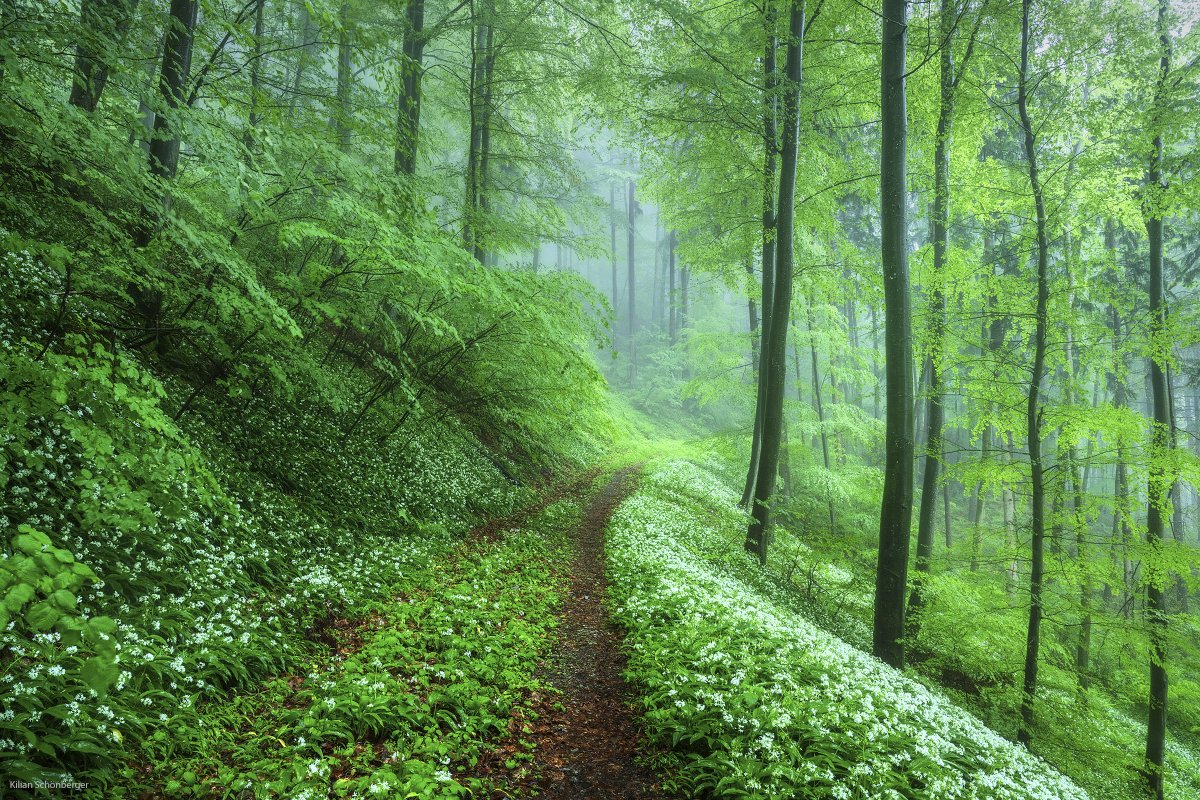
(773, 375)
(820, 406)
(895, 518)
(631, 207)
(485, 136)
(343, 114)
(1033, 409)
(673, 311)
(308, 55)
(612, 249)
(1156, 577)
(752, 309)
(164, 151)
(103, 25)
(935, 420)
(408, 107)
(770, 148)
(254, 118)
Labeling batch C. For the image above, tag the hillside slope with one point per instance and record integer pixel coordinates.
(174, 542)
(752, 700)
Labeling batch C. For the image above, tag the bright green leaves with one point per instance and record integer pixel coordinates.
(98, 674)
(37, 569)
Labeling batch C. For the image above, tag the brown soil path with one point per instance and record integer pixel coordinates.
(588, 748)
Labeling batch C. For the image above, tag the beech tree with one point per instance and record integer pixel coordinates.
(891, 581)
(773, 353)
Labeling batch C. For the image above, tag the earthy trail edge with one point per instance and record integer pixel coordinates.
(588, 748)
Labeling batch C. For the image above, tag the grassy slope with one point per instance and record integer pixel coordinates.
(752, 699)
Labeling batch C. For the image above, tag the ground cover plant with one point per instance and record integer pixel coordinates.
(156, 563)
(753, 700)
(403, 697)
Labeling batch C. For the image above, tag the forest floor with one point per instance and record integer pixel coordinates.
(585, 741)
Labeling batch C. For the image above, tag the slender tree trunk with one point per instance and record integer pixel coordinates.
(631, 282)
(851, 312)
(103, 26)
(891, 579)
(937, 301)
(1157, 578)
(1033, 409)
(770, 151)
(673, 324)
(947, 530)
(656, 306)
(254, 119)
(483, 177)
(820, 406)
(752, 307)
(343, 114)
(164, 149)
(612, 249)
(475, 128)
(142, 133)
(173, 78)
(684, 281)
(308, 55)
(408, 106)
(773, 376)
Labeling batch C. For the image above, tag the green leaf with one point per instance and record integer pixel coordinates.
(17, 597)
(98, 674)
(63, 599)
(42, 616)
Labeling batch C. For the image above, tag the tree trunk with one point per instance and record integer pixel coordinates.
(475, 128)
(173, 78)
(631, 207)
(103, 26)
(164, 148)
(254, 118)
(408, 107)
(684, 280)
(673, 311)
(1156, 578)
(1033, 410)
(895, 518)
(612, 249)
(770, 146)
(752, 308)
(773, 376)
(308, 55)
(485, 137)
(343, 114)
(656, 306)
(941, 242)
(820, 406)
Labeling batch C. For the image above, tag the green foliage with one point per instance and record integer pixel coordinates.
(752, 700)
(400, 699)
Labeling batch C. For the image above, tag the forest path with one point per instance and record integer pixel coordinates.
(587, 744)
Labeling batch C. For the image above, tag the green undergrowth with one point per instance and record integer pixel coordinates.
(970, 647)
(399, 700)
(751, 699)
(172, 541)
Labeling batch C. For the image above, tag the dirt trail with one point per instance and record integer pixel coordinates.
(587, 750)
